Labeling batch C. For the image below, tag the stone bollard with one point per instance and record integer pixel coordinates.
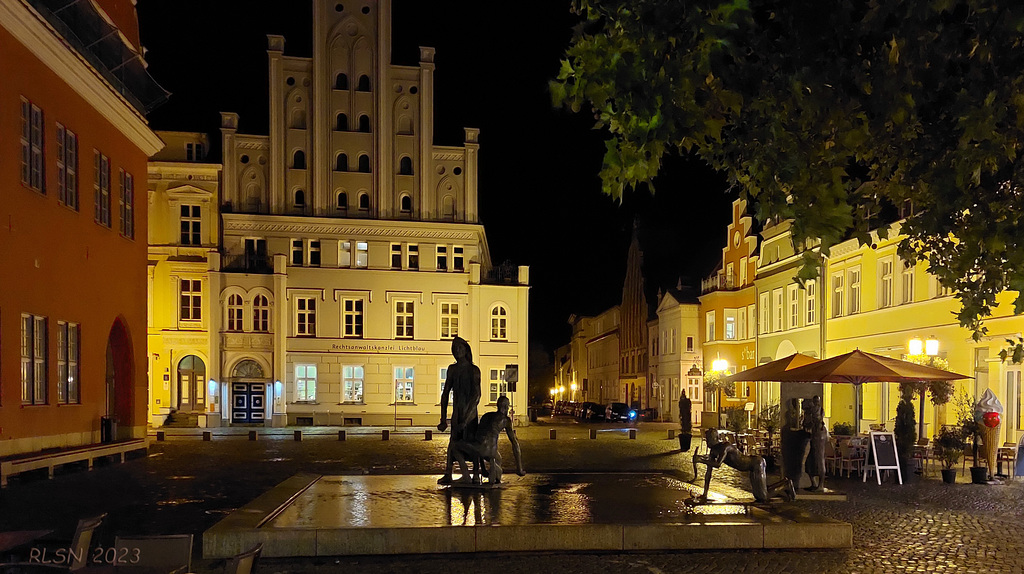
(160, 436)
(385, 434)
(207, 435)
(593, 434)
(341, 435)
(428, 435)
(671, 434)
(253, 435)
(552, 434)
(298, 436)
(632, 434)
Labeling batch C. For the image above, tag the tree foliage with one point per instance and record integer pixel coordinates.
(832, 113)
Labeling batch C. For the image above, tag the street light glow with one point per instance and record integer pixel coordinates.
(719, 365)
(916, 347)
(572, 387)
(931, 347)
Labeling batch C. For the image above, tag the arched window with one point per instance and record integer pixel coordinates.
(341, 81)
(299, 119)
(261, 314)
(342, 200)
(247, 369)
(342, 164)
(406, 203)
(300, 198)
(405, 165)
(235, 313)
(499, 323)
(364, 163)
(364, 123)
(342, 125)
(364, 84)
(299, 159)
(364, 201)
(448, 207)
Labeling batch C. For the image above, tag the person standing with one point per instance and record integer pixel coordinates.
(463, 382)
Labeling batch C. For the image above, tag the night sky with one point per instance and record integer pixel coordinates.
(540, 197)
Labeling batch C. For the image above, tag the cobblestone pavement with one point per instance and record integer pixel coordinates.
(187, 485)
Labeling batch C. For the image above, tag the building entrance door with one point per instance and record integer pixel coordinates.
(248, 404)
(191, 384)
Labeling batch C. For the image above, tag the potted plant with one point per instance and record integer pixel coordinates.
(842, 429)
(685, 422)
(972, 429)
(949, 446)
(769, 420)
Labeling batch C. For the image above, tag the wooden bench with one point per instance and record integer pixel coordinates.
(49, 460)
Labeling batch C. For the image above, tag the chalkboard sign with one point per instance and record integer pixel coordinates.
(882, 455)
(1019, 467)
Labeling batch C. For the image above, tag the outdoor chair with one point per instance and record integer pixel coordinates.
(851, 458)
(244, 563)
(922, 455)
(170, 553)
(77, 550)
(968, 454)
(1008, 455)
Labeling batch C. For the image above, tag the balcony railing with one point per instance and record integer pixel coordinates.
(247, 263)
(719, 282)
(505, 274)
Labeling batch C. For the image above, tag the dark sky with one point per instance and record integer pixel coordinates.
(540, 197)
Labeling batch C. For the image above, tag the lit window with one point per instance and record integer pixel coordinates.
(499, 323)
(458, 259)
(352, 378)
(730, 324)
(305, 383)
(689, 344)
(67, 362)
(362, 255)
(261, 314)
(305, 317)
(33, 360)
(127, 204)
(498, 386)
(191, 225)
(101, 188)
(793, 293)
(778, 308)
(352, 317)
(404, 384)
(908, 283)
(403, 319)
(414, 256)
(442, 258)
(191, 300)
(764, 304)
(235, 313)
(449, 320)
(709, 327)
(67, 167)
(440, 390)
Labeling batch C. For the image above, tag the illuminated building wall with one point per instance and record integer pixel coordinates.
(73, 149)
(677, 353)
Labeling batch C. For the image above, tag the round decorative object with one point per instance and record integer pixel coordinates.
(263, 160)
(398, 88)
(991, 420)
(440, 170)
(244, 158)
(339, 7)
(290, 81)
(457, 171)
(413, 90)
(305, 82)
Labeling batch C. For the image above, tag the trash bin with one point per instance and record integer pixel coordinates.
(533, 414)
(108, 429)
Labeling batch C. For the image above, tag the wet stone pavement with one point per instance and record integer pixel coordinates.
(185, 485)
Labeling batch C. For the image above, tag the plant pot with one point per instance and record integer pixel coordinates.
(979, 475)
(949, 475)
(684, 441)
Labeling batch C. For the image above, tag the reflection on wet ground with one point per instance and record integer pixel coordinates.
(417, 501)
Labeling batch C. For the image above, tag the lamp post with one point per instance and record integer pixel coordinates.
(927, 350)
(720, 367)
(572, 387)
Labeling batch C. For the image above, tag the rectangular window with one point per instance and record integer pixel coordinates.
(709, 327)
(811, 287)
(853, 279)
(305, 383)
(297, 252)
(907, 283)
(458, 259)
(730, 324)
(743, 272)
(689, 344)
(127, 204)
(191, 300)
(305, 317)
(352, 382)
(235, 313)
(498, 386)
(778, 308)
(352, 318)
(793, 293)
(764, 300)
(442, 257)
(345, 254)
(414, 257)
(33, 172)
(101, 188)
(396, 255)
(67, 362)
(940, 289)
(837, 295)
(885, 283)
(403, 319)
(449, 320)
(191, 222)
(193, 152)
(404, 384)
(751, 321)
(440, 388)
(67, 167)
(741, 323)
(33, 360)
(362, 255)
(314, 253)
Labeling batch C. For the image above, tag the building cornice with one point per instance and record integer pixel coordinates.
(359, 227)
(33, 32)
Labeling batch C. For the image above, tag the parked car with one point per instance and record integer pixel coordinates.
(592, 412)
(619, 412)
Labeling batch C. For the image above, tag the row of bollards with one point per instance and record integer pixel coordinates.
(385, 434)
(553, 434)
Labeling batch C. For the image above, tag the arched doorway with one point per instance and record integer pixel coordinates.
(120, 378)
(248, 392)
(191, 384)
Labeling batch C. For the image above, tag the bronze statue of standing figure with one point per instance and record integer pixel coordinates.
(463, 381)
(817, 436)
(795, 442)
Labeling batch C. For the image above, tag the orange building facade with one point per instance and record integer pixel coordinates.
(727, 309)
(74, 145)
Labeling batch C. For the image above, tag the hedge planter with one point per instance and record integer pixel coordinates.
(949, 475)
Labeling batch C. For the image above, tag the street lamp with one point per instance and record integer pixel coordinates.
(720, 365)
(572, 387)
(719, 369)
